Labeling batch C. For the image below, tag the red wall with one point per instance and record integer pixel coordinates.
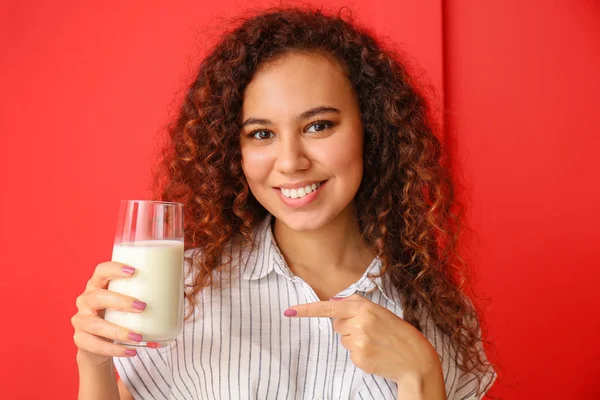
(523, 85)
(87, 88)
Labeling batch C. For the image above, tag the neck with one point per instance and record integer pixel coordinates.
(338, 246)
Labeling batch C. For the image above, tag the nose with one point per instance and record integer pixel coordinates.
(291, 155)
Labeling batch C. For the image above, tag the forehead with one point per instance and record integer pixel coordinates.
(295, 83)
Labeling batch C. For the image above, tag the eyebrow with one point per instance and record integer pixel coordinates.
(305, 115)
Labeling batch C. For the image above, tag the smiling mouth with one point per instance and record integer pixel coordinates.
(300, 192)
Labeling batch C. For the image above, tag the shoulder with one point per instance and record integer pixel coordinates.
(459, 384)
(236, 253)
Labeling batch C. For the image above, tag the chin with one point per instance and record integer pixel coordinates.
(301, 222)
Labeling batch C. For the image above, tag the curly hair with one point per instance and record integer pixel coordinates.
(409, 215)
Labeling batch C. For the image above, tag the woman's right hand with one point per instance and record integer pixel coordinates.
(93, 335)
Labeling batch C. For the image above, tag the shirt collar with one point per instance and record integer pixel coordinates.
(371, 281)
(264, 257)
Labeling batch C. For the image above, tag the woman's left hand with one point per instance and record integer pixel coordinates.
(382, 343)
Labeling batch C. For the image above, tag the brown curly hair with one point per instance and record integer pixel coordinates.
(409, 215)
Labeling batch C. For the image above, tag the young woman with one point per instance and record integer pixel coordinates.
(320, 231)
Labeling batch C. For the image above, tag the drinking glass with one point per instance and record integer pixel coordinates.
(150, 238)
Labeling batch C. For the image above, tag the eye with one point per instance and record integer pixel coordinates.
(261, 135)
(320, 126)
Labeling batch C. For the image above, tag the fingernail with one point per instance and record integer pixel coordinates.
(139, 305)
(134, 337)
(130, 352)
(290, 312)
(128, 270)
(336, 298)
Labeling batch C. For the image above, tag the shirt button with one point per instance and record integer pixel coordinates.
(322, 325)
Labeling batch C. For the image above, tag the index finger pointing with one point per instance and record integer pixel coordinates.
(325, 309)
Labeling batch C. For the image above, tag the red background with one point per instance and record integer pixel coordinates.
(87, 87)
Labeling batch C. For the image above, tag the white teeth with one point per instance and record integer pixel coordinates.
(301, 192)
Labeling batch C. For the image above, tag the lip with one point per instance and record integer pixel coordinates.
(300, 202)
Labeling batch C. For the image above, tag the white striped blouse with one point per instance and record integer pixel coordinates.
(238, 344)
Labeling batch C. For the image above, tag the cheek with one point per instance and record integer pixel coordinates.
(344, 157)
(256, 164)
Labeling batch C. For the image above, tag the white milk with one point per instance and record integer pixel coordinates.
(157, 281)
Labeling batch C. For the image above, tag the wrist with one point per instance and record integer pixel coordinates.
(93, 361)
(411, 387)
(422, 386)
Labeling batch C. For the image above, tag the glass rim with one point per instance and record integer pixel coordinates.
(153, 201)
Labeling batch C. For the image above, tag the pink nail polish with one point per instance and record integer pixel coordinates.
(139, 305)
(130, 352)
(134, 337)
(128, 270)
(290, 312)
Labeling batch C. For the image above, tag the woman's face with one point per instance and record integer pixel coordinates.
(302, 140)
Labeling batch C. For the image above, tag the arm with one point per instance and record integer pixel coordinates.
(429, 388)
(97, 381)
(381, 343)
(123, 393)
(100, 382)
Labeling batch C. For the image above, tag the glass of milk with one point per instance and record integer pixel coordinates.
(149, 238)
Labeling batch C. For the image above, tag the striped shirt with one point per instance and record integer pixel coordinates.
(238, 344)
